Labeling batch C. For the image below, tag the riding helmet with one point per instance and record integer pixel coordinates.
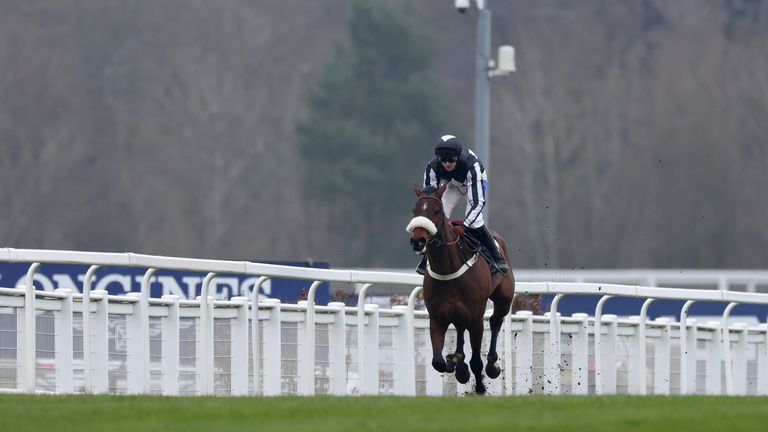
(447, 146)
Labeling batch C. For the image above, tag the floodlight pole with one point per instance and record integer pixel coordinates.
(482, 91)
(485, 69)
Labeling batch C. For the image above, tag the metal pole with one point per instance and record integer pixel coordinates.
(29, 353)
(482, 92)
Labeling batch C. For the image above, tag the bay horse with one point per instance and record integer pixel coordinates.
(456, 289)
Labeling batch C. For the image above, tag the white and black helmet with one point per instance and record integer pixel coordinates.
(447, 146)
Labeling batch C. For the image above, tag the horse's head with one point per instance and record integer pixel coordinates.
(428, 217)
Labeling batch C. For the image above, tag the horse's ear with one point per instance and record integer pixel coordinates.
(417, 190)
(441, 190)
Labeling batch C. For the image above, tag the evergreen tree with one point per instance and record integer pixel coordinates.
(372, 119)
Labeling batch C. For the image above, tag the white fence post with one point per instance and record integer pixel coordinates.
(371, 346)
(337, 355)
(135, 346)
(609, 353)
(255, 336)
(692, 337)
(86, 313)
(713, 359)
(553, 352)
(434, 384)
(100, 344)
(633, 359)
(307, 373)
(524, 355)
(239, 366)
(63, 334)
(762, 362)
(410, 343)
(580, 356)
(642, 371)
(304, 373)
(21, 338)
(725, 332)
(684, 350)
(361, 352)
(170, 347)
(28, 359)
(507, 372)
(739, 365)
(661, 366)
(433, 379)
(205, 364)
(404, 370)
(143, 307)
(598, 335)
(272, 357)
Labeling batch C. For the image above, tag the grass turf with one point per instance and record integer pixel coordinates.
(398, 414)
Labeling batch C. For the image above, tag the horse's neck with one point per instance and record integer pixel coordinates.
(445, 258)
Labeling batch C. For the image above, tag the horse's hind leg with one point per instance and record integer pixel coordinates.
(476, 362)
(501, 305)
(491, 368)
(437, 336)
(457, 358)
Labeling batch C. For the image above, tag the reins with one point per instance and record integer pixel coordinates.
(439, 241)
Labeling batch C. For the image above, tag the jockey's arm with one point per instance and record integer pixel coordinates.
(430, 177)
(475, 195)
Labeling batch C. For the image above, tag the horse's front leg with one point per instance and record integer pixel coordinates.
(476, 362)
(437, 336)
(457, 359)
(501, 304)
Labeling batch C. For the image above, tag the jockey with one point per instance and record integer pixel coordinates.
(466, 177)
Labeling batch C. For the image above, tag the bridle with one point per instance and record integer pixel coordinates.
(434, 239)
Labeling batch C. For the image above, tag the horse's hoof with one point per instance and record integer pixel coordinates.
(450, 362)
(492, 370)
(480, 389)
(462, 373)
(439, 366)
(492, 358)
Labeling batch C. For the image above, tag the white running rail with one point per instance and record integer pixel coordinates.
(135, 344)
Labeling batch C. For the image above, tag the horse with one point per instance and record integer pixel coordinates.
(456, 289)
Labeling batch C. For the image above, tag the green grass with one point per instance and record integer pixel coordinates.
(397, 414)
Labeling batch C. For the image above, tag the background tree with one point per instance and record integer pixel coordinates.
(372, 118)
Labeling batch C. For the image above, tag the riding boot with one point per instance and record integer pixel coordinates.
(486, 238)
(422, 267)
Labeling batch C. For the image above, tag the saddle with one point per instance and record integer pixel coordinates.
(479, 247)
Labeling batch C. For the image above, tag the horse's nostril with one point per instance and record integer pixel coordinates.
(418, 243)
